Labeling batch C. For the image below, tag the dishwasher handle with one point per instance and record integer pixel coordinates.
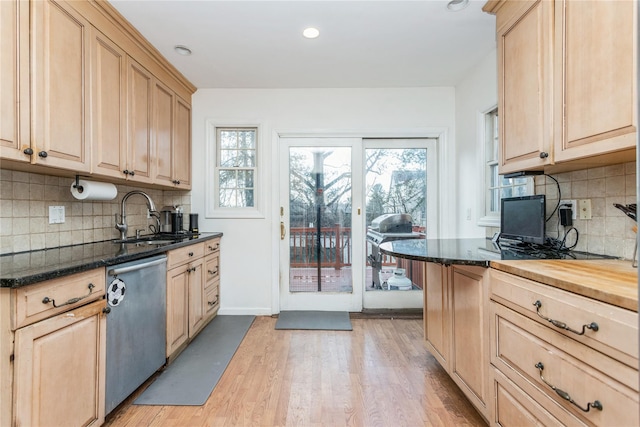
(116, 271)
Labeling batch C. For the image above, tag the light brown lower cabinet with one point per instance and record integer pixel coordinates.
(456, 327)
(559, 358)
(57, 373)
(192, 292)
(60, 369)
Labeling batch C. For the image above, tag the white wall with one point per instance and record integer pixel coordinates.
(475, 95)
(249, 251)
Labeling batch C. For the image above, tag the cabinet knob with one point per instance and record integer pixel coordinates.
(28, 151)
(43, 154)
(544, 155)
(126, 171)
(106, 310)
(132, 173)
(190, 253)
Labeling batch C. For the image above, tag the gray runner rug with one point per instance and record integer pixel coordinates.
(317, 320)
(190, 379)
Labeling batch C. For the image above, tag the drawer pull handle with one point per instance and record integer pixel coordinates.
(563, 394)
(214, 248)
(212, 272)
(214, 302)
(47, 300)
(558, 324)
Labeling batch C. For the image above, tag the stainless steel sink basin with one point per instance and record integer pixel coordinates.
(145, 240)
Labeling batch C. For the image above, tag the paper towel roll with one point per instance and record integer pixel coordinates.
(93, 190)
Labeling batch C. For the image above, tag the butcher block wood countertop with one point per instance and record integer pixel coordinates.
(609, 280)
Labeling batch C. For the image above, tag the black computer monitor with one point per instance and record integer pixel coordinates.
(523, 219)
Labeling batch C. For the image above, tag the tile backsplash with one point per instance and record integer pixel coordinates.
(609, 231)
(24, 212)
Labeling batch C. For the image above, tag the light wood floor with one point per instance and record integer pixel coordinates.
(379, 374)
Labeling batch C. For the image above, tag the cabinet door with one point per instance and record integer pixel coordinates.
(60, 86)
(524, 91)
(196, 296)
(163, 134)
(14, 80)
(177, 308)
(469, 296)
(182, 145)
(139, 139)
(436, 312)
(59, 369)
(597, 78)
(109, 106)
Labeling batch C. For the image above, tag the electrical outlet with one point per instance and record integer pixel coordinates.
(56, 214)
(584, 206)
(574, 206)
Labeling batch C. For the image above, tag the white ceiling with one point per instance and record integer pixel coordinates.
(366, 43)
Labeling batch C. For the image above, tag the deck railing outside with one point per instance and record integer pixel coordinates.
(335, 251)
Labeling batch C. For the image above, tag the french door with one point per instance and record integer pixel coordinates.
(330, 191)
(319, 262)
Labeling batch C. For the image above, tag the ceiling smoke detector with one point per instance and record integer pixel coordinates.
(182, 50)
(457, 5)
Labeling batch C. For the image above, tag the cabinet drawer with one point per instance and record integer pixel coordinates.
(617, 333)
(211, 300)
(37, 302)
(212, 267)
(183, 255)
(513, 407)
(212, 246)
(527, 351)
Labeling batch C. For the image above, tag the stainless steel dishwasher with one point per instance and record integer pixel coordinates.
(136, 325)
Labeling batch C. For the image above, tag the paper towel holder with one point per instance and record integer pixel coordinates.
(77, 184)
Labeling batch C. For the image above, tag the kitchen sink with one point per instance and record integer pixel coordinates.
(145, 240)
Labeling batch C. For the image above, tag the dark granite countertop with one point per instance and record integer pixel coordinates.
(444, 251)
(20, 269)
(478, 252)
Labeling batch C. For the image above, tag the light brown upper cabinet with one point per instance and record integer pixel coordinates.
(59, 86)
(139, 110)
(79, 95)
(14, 81)
(172, 138)
(182, 145)
(109, 107)
(566, 83)
(596, 78)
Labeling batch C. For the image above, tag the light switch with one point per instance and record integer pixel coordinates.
(56, 214)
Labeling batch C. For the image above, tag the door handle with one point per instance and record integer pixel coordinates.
(283, 231)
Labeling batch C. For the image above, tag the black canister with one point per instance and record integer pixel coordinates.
(176, 222)
(193, 223)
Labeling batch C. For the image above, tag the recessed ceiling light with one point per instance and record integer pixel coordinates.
(311, 33)
(182, 50)
(456, 5)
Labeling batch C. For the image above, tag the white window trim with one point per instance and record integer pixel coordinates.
(491, 219)
(212, 210)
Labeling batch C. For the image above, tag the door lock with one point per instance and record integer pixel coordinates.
(283, 231)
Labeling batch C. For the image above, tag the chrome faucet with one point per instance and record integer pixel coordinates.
(122, 226)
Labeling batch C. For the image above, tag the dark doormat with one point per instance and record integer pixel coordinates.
(190, 379)
(315, 320)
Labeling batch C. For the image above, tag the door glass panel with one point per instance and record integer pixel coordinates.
(320, 219)
(396, 183)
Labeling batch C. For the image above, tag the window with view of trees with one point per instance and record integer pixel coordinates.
(236, 171)
(497, 186)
